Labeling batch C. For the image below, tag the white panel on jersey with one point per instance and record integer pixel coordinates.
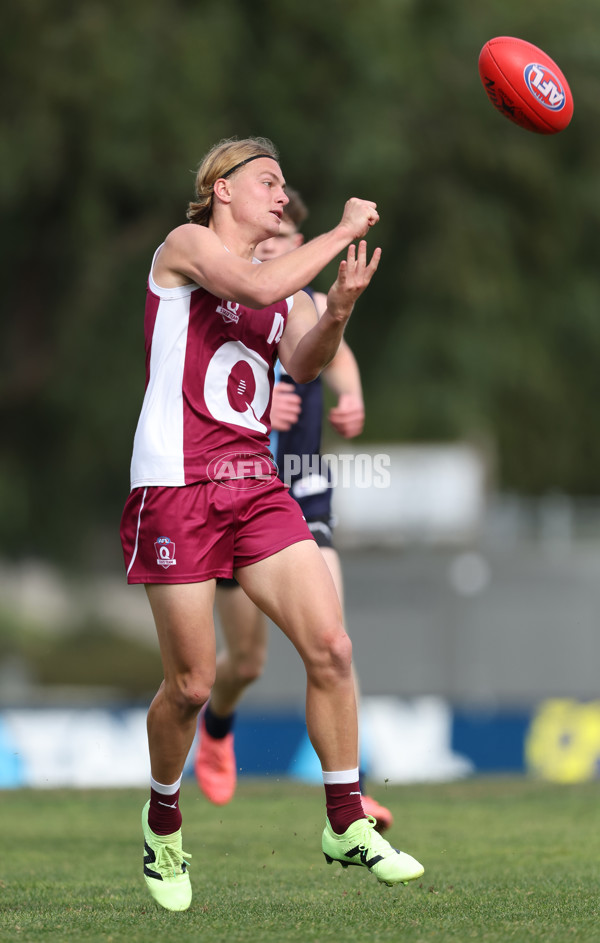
(216, 382)
(158, 444)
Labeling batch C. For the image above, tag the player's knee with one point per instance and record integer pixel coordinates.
(341, 652)
(248, 672)
(191, 691)
(248, 668)
(332, 657)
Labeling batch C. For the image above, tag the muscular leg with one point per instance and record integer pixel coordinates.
(240, 662)
(184, 624)
(243, 658)
(332, 560)
(245, 631)
(371, 806)
(183, 616)
(295, 589)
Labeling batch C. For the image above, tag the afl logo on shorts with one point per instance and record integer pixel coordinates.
(165, 552)
(545, 86)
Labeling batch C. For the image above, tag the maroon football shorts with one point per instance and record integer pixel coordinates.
(205, 530)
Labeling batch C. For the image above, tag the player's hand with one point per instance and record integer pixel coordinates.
(348, 417)
(354, 274)
(285, 407)
(358, 217)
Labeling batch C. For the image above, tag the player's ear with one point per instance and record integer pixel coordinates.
(221, 190)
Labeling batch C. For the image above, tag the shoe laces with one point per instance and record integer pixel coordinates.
(372, 840)
(171, 860)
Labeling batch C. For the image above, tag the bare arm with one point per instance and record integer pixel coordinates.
(285, 406)
(194, 253)
(342, 376)
(309, 343)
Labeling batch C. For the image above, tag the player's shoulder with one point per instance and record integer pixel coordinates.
(315, 299)
(302, 302)
(187, 232)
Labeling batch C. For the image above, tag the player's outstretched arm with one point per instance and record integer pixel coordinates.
(194, 253)
(342, 376)
(306, 350)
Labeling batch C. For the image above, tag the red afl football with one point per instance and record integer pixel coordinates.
(525, 85)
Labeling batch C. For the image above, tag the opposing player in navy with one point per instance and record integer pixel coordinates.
(205, 502)
(296, 420)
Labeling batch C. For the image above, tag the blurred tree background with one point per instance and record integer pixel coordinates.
(483, 322)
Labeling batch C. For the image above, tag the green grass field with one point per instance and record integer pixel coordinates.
(505, 860)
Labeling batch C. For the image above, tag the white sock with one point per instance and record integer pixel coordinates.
(340, 776)
(166, 790)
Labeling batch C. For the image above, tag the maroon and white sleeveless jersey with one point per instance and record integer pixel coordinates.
(209, 382)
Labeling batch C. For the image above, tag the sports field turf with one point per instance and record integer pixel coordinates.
(505, 860)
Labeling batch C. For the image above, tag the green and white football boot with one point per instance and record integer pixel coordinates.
(362, 845)
(166, 867)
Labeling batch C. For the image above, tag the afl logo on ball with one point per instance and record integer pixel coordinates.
(544, 86)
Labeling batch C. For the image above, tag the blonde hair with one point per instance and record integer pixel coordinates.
(221, 161)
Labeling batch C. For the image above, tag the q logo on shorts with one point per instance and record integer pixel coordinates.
(165, 552)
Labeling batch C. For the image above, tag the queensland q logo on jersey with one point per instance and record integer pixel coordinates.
(165, 552)
(544, 86)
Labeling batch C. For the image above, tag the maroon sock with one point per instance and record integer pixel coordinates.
(164, 816)
(343, 805)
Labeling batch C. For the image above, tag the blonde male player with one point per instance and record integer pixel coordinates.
(203, 504)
